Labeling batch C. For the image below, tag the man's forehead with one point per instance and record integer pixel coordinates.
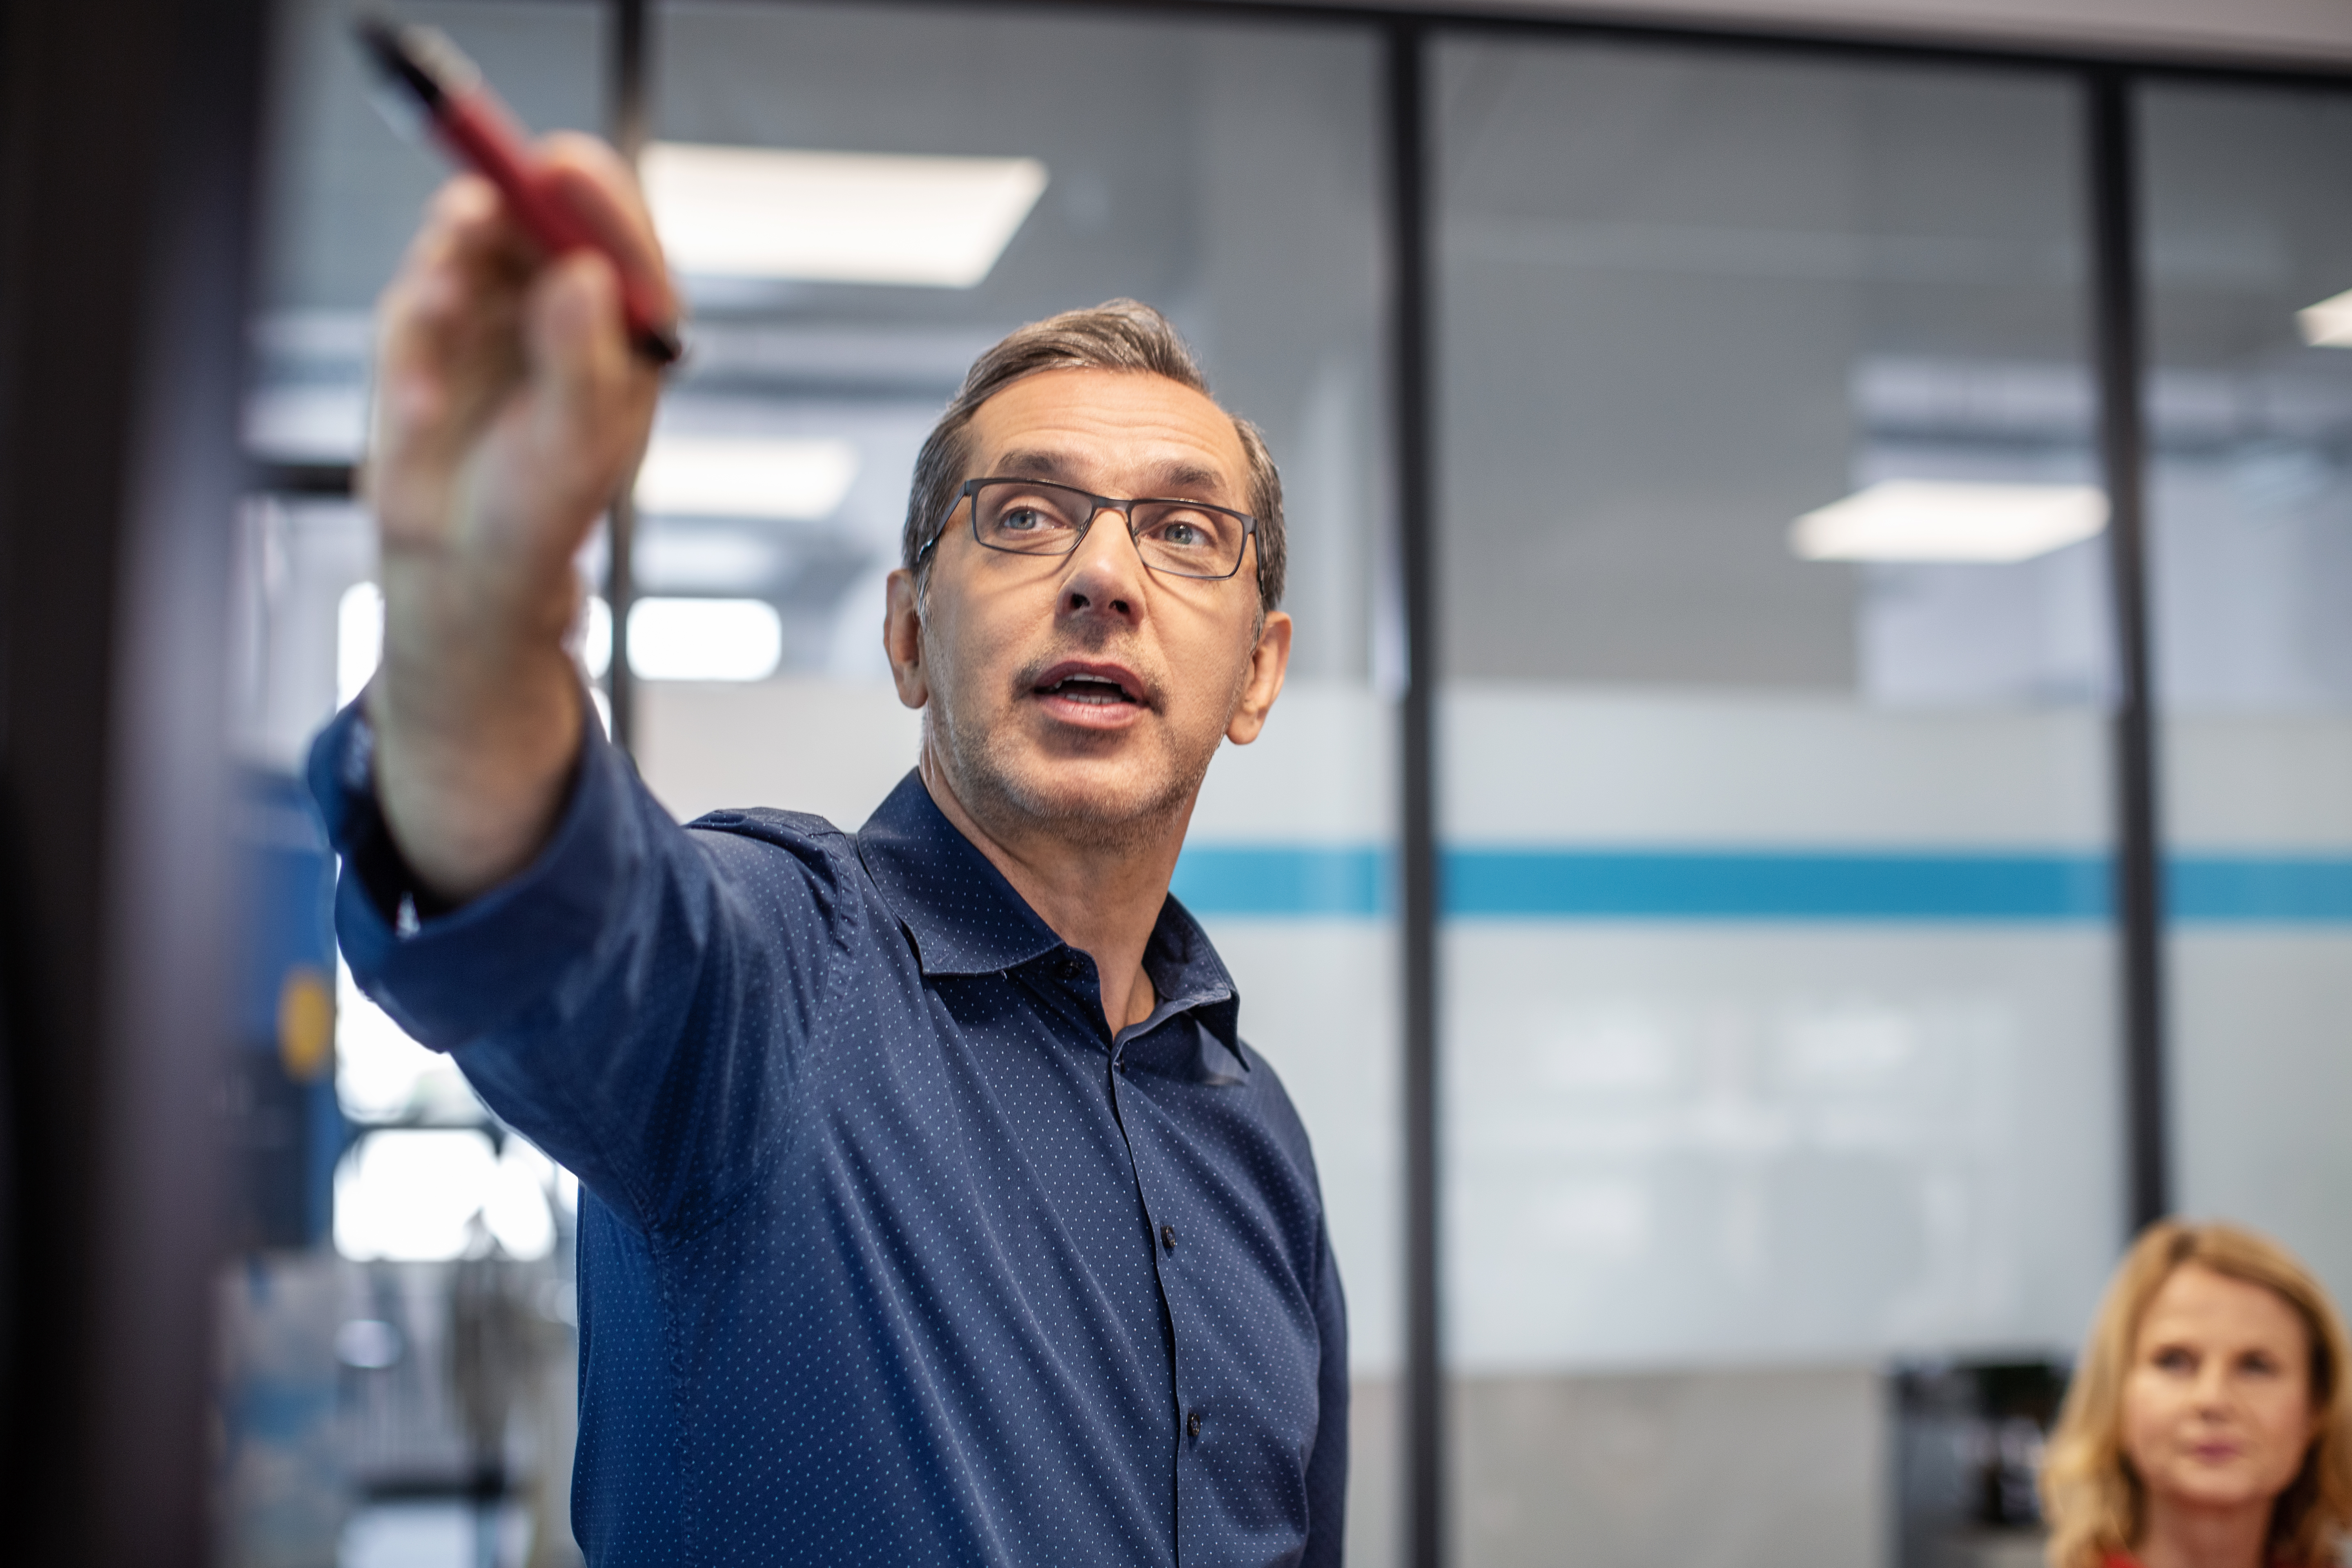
(1095, 423)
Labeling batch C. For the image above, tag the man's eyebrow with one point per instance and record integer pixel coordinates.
(1034, 463)
(1186, 480)
(1178, 479)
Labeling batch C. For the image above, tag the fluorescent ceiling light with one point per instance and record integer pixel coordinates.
(797, 478)
(2328, 324)
(1928, 519)
(705, 639)
(308, 422)
(836, 217)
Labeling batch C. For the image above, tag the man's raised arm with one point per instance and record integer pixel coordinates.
(509, 410)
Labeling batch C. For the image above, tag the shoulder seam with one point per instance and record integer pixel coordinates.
(828, 987)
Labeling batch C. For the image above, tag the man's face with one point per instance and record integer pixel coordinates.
(1086, 693)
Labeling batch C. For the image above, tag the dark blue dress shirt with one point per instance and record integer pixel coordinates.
(891, 1252)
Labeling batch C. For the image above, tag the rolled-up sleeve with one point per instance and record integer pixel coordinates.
(632, 1000)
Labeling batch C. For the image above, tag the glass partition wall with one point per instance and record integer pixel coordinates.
(1778, 1037)
(1782, 1149)
(2249, 406)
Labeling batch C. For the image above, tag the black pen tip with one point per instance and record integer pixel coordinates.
(401, 57)
(390, 53)
(661, 345)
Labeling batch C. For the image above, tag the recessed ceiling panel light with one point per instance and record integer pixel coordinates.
(836, 217)
(307, 422)
(705, 639)
(2328, 324)
(1928, 519)
(802, 479)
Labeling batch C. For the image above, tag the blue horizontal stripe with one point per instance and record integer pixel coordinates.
(1340, 882)
(1357, 882)
(2268, 889)
(1749, 886)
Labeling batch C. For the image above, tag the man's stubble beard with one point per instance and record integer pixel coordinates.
(982, 769)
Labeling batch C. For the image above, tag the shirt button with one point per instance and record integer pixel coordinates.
(1168, 1239)
(1070, 969)
(1193, 1424)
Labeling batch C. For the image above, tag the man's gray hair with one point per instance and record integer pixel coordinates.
(1118, 334)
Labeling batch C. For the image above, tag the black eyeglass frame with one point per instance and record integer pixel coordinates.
(1097, 506)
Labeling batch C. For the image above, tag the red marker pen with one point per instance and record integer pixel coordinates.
(424, 66)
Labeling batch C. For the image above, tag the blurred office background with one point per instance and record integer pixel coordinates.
(1815, 792)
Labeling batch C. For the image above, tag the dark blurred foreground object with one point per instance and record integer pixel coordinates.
(1968, 1445)
(127, 146)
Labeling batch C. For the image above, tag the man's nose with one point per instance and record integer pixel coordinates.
(1105, 575)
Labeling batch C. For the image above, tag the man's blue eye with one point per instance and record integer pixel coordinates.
(1185, 530)
(1030, 517)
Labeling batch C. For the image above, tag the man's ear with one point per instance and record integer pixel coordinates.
(902, 639)
(1262, 683)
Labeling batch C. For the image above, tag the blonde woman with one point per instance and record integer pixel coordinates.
(2208, 1424)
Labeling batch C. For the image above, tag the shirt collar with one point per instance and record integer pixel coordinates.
(964, 918)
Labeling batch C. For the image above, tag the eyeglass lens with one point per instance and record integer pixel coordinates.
(1184, 538)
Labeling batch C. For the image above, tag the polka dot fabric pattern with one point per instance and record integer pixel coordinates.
(890, 1252)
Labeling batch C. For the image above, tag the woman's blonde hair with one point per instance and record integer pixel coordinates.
(2094, 1500)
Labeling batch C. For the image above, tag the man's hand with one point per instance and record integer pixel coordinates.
(509, 411)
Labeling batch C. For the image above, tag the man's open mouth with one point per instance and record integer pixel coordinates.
(1088, 688)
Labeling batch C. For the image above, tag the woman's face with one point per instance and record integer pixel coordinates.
(2217, 1406)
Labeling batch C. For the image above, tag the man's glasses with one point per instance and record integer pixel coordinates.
(1036, 517)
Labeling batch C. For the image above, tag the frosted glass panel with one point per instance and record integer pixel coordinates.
(1778, 1036)
(1779, 1033)
(1777, 1029)
(2250, 424)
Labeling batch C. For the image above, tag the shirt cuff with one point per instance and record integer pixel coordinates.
(449, 976)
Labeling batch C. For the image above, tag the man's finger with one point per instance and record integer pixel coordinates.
(592, 185)
(587, 388)
(467, 230)
(447, 345)
(457, 283)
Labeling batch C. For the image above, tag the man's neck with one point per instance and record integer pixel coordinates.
(2185, 1536)
(1104, 900)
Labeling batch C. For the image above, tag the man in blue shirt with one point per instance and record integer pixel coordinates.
(934, 1210)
